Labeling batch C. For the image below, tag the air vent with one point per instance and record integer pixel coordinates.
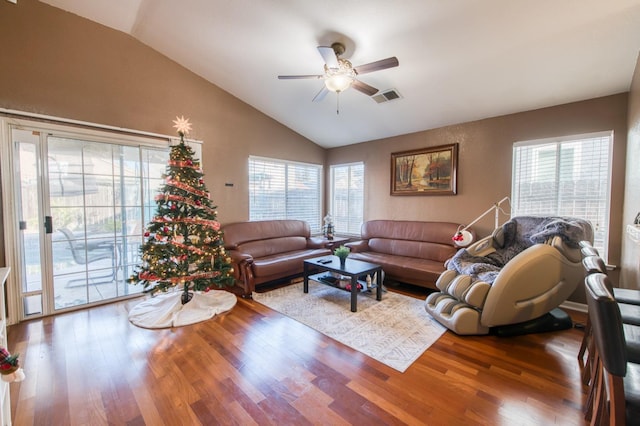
(386, 96)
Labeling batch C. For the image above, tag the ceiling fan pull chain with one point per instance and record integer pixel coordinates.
(338, 103)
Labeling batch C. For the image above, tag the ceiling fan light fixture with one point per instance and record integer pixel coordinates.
(339, 79)
(338, 82)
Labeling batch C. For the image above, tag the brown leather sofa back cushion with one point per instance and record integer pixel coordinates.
(271, 246)
(422, 250)
(236, 234)
(427, 240)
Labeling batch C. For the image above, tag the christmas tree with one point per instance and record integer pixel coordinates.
(183, 242)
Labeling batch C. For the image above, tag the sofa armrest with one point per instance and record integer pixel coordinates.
(358, 246)
(243, 274)
(316, 242)
(239, 257)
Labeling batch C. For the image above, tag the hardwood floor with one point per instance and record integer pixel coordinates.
(255, 366)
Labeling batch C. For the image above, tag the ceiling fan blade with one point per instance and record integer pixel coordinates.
(293, 77)
(329, 56)
(364, 88)
(377, 65)
(321, 94)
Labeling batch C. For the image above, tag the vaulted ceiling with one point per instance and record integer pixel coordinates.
(460, 60)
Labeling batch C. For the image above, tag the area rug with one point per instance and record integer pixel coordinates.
(394, 331)
(166, 309)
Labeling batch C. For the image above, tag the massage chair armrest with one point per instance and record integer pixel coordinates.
(358, 246)
(531, 284)
(482, 248)
(573, 254)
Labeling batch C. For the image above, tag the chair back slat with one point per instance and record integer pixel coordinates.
(588, 251)
(594, 264)
(606, 323)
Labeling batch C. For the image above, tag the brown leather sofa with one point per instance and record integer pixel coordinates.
(264, 251)
(409, 251)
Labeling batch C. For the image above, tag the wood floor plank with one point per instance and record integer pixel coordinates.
(254, 366)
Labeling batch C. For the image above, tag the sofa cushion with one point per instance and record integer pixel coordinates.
(273, 246)
(434, 232)
(285, 263)
(403, 268)
(239, 233)
(419, 249)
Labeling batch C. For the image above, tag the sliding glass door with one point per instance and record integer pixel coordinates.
(82, 206)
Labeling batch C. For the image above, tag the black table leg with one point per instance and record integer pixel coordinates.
(354, 293)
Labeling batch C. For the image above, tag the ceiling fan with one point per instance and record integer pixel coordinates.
(339, 74)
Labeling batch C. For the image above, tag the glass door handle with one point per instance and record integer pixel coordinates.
(48, 224)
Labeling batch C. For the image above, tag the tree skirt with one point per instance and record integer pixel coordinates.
(166, 309)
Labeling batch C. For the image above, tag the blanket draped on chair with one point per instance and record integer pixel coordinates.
(518, 234)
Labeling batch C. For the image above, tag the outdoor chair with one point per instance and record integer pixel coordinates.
(91, 252)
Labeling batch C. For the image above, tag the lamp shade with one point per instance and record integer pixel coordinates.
(339, 79)
(338, 82)
(462, 238)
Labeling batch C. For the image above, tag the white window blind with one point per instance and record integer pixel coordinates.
(347, 198)
(565, 177)
(281, 189)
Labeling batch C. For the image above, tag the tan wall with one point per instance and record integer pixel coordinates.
(56, 63)
(484, 163)
(630, 276)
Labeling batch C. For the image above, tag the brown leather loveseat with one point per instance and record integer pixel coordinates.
(409, 251)
(268, 250)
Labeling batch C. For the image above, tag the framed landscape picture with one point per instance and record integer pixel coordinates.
(427, 171)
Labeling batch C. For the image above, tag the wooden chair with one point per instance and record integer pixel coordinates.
(616, 381)
(594, 263)
(630, 314)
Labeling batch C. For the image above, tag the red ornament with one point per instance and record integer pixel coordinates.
(201, 181)
(146, 234)
(173, 207)
(198, 203)
(189, 163)
(165, 230)
(348, 287)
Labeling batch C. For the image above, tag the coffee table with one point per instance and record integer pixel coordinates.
(352, 268)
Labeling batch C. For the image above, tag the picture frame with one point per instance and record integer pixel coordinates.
(426, 171)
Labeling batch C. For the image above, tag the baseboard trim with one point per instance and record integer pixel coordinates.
(575, 306)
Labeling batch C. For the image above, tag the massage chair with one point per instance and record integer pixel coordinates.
(512, 281)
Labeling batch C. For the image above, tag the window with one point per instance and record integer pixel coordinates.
(347, 198)
(281, 189)
(565, 177)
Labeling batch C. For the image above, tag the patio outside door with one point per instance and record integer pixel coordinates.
(82, 206)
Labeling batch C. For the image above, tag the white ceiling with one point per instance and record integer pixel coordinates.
(460, 60)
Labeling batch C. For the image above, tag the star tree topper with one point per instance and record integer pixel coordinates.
(182, 125)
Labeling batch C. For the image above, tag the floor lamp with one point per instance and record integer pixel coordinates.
(463, 238)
